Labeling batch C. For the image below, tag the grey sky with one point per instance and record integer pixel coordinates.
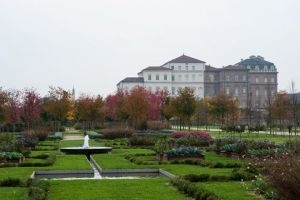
(95, 44)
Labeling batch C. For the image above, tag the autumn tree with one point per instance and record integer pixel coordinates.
(281, 111)
(114, 104)
(202, 114)
(90, 111)
(167, 110)
(184, 105)
(31, 107)
(218, 107)
(136, 106)
(3, 103)
(58, 106)
(14, 108)
(156, 101)
(233, 113)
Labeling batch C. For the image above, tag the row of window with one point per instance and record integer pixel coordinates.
(236, 78)
(264, 69)
(244, 78)
(243, 91)
(186, 68)
(173, 89)
(180, 77)
(266, 80)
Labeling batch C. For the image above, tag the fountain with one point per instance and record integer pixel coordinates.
(86, 149)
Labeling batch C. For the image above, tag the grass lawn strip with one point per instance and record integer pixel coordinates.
(12, 193)
(134, 189)
(228, 190)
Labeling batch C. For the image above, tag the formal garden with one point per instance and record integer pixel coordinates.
(203, 149)
(205, 165)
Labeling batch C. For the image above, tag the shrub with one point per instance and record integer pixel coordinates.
(192, 190)
(10, 155)
(48, 160)
(56, 136)
(196, 177)
(142, 140)
(38, 189)
(117, 133)
(93, 134)
(29, 139)
(185, 152)
(194, 135)
(283, 174)
(241, 174)
(6, 142)
(11, 182)
(158, 125)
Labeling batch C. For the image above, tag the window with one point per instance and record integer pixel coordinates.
(236, 91)
(227, 77)
(256, 68)
(266, 79)
(179, 68)
(157, 77)
(172, 67)
(266, 93)
(227, 91)
(149, 77)
(173, 78)
(211, 77)
(272, 68)
(236, 78)
(256, 80)
(272, 80)
(179, 77)
(165, 77)
(266, 68)
(186, 68)
(193, 77)
(173, 90)
(244, 78)
(186, 77)
(193, 68)
(257, 92)
(244, 91)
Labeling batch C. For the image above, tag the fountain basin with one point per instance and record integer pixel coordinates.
(86, 151)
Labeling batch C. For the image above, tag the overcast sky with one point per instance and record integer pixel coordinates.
(95, 44)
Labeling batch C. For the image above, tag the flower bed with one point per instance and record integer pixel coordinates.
(183, 152)
(11, 157)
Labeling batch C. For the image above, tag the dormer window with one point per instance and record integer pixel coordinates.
(272, 68)
(266, 68)
(186, 68)
(256, 68)
(193, 68)
(172, 67)
(179, 68)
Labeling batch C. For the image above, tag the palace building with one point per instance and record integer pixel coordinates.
(252, 81)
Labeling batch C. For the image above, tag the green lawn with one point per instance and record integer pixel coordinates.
(13, 193)
(133, 189)
(229, 190)
(72, 162)
(16, 172)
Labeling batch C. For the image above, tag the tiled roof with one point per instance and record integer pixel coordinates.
(155, 68)
(254, 61)
(133, 80)
(210, 68)
(185, 59)
(235, 67)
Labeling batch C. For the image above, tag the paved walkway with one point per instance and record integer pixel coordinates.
(73, 137)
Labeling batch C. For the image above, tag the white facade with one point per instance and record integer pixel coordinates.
(178, 73)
